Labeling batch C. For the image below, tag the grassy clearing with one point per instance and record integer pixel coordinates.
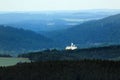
(12, 61)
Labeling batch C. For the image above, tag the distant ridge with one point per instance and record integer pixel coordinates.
(51, 20)
(103, 31)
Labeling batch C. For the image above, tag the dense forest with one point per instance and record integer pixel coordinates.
(111, 52)
(97, 63)
(63, 70)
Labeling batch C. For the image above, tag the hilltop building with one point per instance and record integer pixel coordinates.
(72, 47)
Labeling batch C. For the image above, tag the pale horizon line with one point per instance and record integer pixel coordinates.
(59, 10)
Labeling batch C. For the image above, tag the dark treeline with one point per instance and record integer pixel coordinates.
(63, 70)
(5, 55)
(105, 53)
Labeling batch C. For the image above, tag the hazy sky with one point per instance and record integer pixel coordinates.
(38, 5)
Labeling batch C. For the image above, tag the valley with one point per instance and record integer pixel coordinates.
(5, 61)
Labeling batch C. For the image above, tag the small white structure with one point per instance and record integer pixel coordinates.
(72, 47)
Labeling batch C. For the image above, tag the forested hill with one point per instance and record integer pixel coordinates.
(105, 30)
(105, 53)
(14, 40)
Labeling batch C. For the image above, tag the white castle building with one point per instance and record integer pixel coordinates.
(72, 47)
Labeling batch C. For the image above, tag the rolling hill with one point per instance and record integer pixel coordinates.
(111, 52)
(96, 32)
(13, 40)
